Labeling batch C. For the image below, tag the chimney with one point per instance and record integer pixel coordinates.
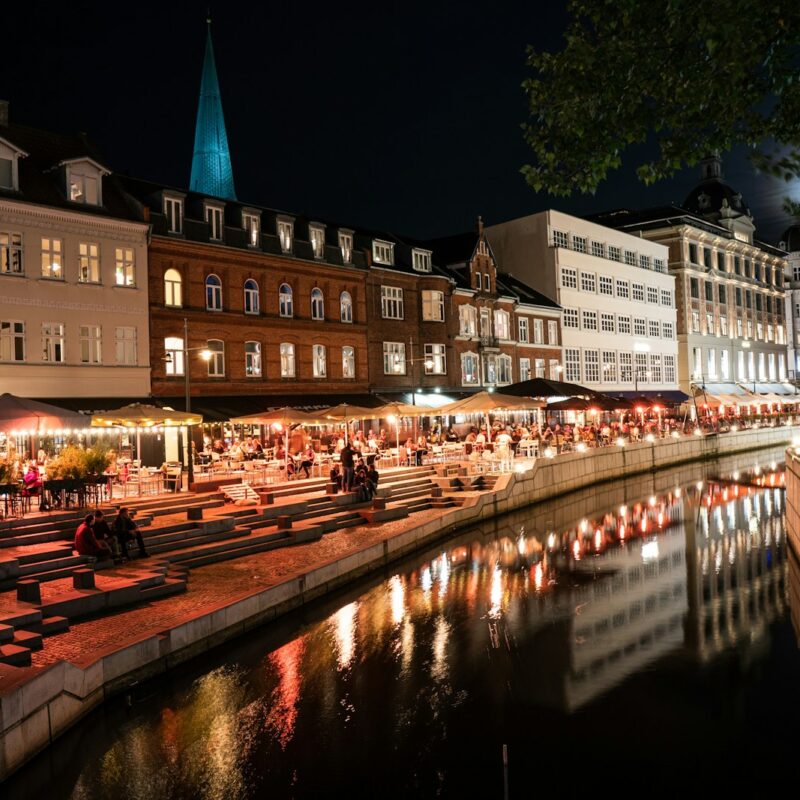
(4, 113)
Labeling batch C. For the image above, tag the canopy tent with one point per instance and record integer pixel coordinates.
(484, 402)
(345, 412)
(606, 402)
(542, 387)
(32, 417)
(570, 404)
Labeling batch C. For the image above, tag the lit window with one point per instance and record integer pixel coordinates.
(88, 262)
(173, 288)
(173, 347)
(52, 261)
(383, 252)
(216, 364)
(317, 236)
(173, 211)
(124, 267)
(348, 362)
(394, 358)
(470, 369)
(285, 234)
(421, 260)
(12, 340)
(522, 327)
(84, 188)
(467, 320)
(552, 332)
(392, 302)
(504, 369)
(319, 360)
(524, 369)
(11, 253)
(502, 325)
(251, 222)
(125, 347)
(432, 306)
(345, 307)
(252, 359)
(251, 301)
(285, 301)
(213, 293)
(538, 331)
(90, 342)
(346, 246)
(53, 342)
(287, 360)
(317, 305)
(435, 359)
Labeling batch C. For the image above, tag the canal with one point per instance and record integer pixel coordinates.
(634, 638)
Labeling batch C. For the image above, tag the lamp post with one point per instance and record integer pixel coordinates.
(205, 354)
(636, 377)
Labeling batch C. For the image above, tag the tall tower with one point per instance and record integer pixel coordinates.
(211, 161)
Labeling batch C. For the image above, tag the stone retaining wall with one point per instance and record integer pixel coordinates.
(36, 706)
(793, 499)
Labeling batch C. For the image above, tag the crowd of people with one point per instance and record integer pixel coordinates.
(96, 537)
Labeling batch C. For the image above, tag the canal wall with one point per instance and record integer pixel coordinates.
(37, 706)
(793, 500)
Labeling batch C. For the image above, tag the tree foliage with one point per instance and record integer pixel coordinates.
(698, 77)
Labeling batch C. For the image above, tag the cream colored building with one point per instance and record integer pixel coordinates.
(73, 273)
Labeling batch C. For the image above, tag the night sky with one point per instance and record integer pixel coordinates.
(401, 116)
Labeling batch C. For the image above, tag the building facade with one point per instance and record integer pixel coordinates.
(729, 286)
(73, 272)
(618, 300)
(790, 243)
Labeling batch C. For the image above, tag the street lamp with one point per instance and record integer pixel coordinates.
(636, 378)
(205, 354)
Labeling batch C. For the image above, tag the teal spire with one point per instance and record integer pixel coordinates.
(211, 162)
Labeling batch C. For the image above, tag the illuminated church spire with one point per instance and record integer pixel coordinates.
(211, 162)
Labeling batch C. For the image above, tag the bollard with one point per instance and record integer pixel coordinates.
(29, 591)
(284, 522)
(331, 488)
(83, 579)
(378, 503)
(436, 491)
(194, 513)
(267, 498)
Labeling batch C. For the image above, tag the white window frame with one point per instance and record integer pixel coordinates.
(285, 301)
(394, 358)
(214, 216)
(213, 292)
(173, 348)
(53, 342)
(11, 262)
(348, 362)
(173, 288)
(52, 258)
(421, 260)
(252, 359)
(288, 363)
(392, 303)
(317, 304)
(524, 369)
(124, 266)
(216, 364)
(316, 235)
(523, 330)
(502, 324)
(383, 252)
(91, 344)
(252, 301)
(432, 305)
(552, 332)
(251, 224)
(346, 246)
(12, 341)
(88, 262)
(571, 318)
(538, 331)
(285, 234)
(126, 346)
(346, 307)
(173, 211)
(470, 376)
(436, 355)
(467, 320)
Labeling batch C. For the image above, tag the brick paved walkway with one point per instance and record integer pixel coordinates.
(215, 585)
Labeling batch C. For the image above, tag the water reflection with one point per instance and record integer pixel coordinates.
(531, 615)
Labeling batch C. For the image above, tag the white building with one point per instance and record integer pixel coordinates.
(791, 244)
(619, 318)
(73, 273)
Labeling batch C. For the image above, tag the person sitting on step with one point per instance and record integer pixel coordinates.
(127, 530)
(86, 544)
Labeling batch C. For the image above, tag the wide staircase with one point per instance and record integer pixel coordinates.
(43, 584)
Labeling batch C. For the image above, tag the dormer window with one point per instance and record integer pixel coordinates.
(173, 211)
(9, 163)
(285, 234)
(84, 181)
(316, 235)
(346, 245)
(213, 216)
(251, 222)
(383, 252)
(421, 260)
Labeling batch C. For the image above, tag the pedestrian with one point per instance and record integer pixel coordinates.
(127, 530)
(347, 457)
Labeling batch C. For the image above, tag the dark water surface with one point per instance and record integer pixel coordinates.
(633, 639)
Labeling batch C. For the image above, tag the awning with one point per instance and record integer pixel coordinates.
(668, 397)
(727, 394)
(543, 387)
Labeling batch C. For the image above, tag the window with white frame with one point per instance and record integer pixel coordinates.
(666, 298)
(90, 344)
(467, 320)
(88, 262)
(470, 369)
(623, 324)
(609, 366)
(589, 320)
(435, 359)
(639, 326)
(216, 363)
(213, 215)
(432, 306)
(125, 346)
(654, 328)
(572, 364)
(695, 322)
(52, 258)
(12, 340)
(655, 367)
(53, 342)
(124, 266)
(623, 289)
(251, 298)
(316, 234)
(560, 239)
(539, 369)
(173, 348)
(724, 365)
(502, 324)
(606, 285)
(614, 253)
(345, 307)
(84, 187)
(770, 332)
(251, 222)
(522, 329)
(710, 327)
(213, 293)
(723, 325)
(571, 318)
(421, 260)
(625, 368)
(644, 262)
(538, 331)
(487, 282)
(640, 365)
(252, 359)
(285, 301)
(659, 265)
(10, 253)
(392, 302)
(637, 292)
(630, 258)
(606, 322)
(569, 278)
(711, 363)
(7, 169)
(552, 332)
(286, 234)
(317, 304)
(579, 243)
(667, 330)
(588, 281)
(598, 249)
(591, 366)
(524, 369)
(348, 362)
(287, 360)
(346, 246)
(652, 295)
(669, 369)
(394, 358)
(173, 211)
(382, 252)
(173, 288)
(504, 373)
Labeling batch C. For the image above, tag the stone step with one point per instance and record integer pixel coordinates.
(49, 626)
(229, 545)
(168, 587)
(44, 576)
(193, 541)
(6, 633)
(33, 554)
(52, 563)
(20, 615)
(15, 655)
(282, 540)
(29, 639)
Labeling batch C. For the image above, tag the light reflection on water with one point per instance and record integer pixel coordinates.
(401, 684)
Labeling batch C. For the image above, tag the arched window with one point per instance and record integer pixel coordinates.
(346, 307)
(285, 300)
(216, 363)
(250, 297)
(213, 293)
(173, 288)
(317, 304)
